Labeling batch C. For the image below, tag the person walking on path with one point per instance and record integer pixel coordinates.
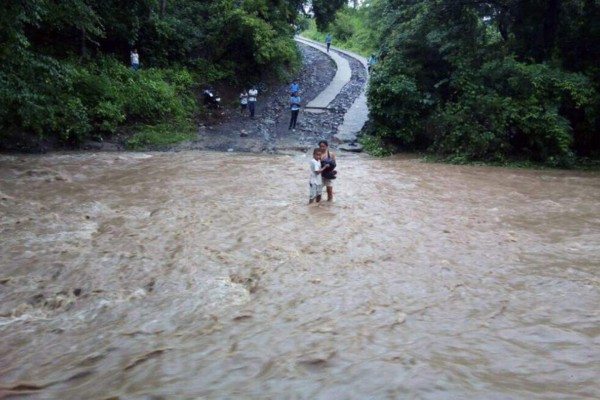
(371, 62)
(328, 41)
(328, 159)
(135, 59)
(252, 93)
(295, 101)
(244, 101)
(315, 182)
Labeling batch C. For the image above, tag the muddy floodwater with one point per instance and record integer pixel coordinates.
(206, 276)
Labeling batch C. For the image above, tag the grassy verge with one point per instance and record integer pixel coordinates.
(160, 135)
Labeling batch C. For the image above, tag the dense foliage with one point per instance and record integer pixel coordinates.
(64, 65)
(352, 29)
(325, 11)
(488, 80)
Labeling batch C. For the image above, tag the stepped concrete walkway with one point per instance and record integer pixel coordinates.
(358, 113)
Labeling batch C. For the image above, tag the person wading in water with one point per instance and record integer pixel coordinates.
(328, 157)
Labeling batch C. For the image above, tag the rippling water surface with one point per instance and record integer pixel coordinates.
(206, 275)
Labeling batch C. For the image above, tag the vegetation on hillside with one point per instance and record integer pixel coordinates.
(352, 29)
(489, 80)
(464, 81)
(64, 65)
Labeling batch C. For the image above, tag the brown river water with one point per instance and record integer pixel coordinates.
(200, 275)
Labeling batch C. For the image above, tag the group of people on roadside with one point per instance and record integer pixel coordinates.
(248, 101)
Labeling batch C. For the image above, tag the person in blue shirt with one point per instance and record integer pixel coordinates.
(295, 107)
(371, 62)
(328, 41)
(294, 87)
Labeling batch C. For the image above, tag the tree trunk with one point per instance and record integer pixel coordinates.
(163, 8)
(82, 44)
(551, 20)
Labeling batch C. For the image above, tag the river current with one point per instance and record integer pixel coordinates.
(200, 275)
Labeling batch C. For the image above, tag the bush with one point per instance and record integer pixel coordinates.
(160, 135)
(395, 98)
(350, 31)
(343, 27)
(69, 101)
(376, 146)
(503, 110)
(507, 109)
(40, 99)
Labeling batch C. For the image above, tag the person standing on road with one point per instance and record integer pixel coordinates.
(252, 93)
(328, 41)
(328, 158)
(135, 59)
(295, 107)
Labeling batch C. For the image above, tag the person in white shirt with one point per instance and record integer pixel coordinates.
(252, 93)
(135, 60)
(315, 182)
(244, 101)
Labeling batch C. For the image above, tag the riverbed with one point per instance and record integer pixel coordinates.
(206, 275)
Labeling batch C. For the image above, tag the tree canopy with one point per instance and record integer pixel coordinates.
(488, 80)
(325, 11)
(64, 64)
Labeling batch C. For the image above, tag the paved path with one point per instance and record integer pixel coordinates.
(341, 78)
(358, 113)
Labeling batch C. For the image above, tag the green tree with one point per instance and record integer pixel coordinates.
(64, 65)
(325, 10)
(488, 80)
